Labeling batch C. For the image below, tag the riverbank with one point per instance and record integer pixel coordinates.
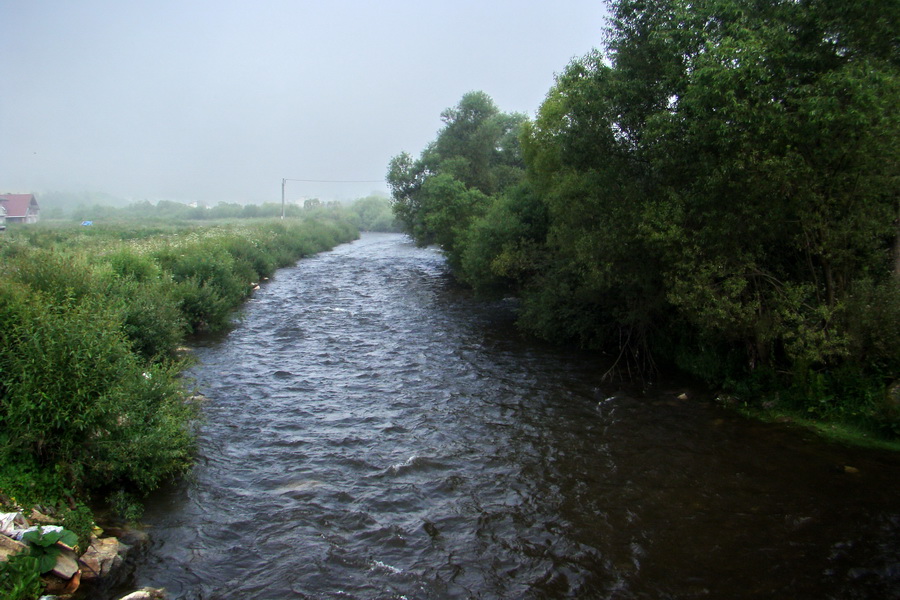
(93, 405)
(838, 432)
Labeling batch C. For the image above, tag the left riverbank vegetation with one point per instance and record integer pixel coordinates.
(715, 191)
(93, 405)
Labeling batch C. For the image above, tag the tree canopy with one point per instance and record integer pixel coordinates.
(476, 154)
(717, 188)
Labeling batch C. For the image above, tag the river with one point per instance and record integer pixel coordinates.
(373, 432)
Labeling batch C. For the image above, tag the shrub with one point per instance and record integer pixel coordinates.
(251, 261)
(60, 276)
(80, 521)
(20, 578)
(42, 541)
(152, 318)
(76, 397)
(90, 398)
(128, 264)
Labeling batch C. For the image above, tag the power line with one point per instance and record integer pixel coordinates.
(338, 180)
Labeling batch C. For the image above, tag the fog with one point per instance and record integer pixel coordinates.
(218, 101)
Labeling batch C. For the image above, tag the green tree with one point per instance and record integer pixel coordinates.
(718, 187)
(478, 149)
(374, 214)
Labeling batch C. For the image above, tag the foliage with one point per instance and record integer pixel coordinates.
(717, 190)
(91, 396)
(80, 521)
(20, 578)
(476, 156)
(42, 543)
(126, 506)
(373, 213)
(28, 482)
(504, 247)
(78, 398)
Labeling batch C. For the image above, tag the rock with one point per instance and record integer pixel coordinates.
(129, 536)
(9, 546)
(39, 517)
(146, 594)
(66, 563)
(102, 557)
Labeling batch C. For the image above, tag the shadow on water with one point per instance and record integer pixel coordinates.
(373, 432)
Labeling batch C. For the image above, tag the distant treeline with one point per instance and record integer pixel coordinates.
(372, 213)
(91, 318)
(717, 190)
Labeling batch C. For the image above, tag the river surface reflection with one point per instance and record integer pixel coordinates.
(373, 432)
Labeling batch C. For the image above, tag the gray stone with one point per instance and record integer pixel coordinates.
(146, 594)
(9, 546)
(66, 563)
(102, 557)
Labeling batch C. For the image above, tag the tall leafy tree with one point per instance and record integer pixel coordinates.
(775, 159)
(719, 186)
(475, 156)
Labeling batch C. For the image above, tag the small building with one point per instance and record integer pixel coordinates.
(2, 218)
(20, 208)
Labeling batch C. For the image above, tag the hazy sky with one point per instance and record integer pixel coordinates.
(218, 100)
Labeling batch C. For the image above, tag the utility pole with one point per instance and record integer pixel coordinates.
(282, 197)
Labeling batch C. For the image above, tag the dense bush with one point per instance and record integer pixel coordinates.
(77, 398)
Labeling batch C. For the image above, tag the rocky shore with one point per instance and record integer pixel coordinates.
(69, 571)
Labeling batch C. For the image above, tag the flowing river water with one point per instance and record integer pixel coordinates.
(373, 432)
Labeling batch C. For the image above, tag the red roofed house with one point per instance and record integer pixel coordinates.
(20, 208)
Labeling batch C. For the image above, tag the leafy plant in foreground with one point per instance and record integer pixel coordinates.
(42, 542)
(20, 578)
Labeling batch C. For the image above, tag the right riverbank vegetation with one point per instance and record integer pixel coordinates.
(716, 191)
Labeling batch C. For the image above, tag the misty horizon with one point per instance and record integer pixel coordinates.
(201, 102)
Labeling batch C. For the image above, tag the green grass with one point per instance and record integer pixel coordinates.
(838, 431)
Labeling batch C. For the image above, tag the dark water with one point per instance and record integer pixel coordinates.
(372, 432)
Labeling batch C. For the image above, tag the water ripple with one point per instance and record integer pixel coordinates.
(374, 432)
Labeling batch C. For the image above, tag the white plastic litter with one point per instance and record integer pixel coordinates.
(12, 523)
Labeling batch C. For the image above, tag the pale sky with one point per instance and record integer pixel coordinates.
(218, 100)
